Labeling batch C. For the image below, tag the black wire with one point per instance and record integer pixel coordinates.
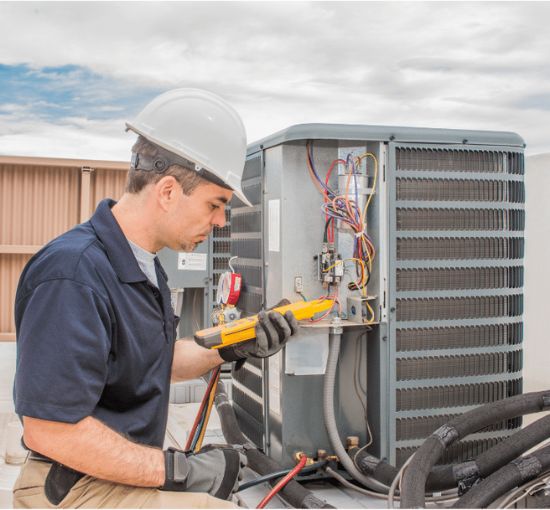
(327, 223)
(280, 474)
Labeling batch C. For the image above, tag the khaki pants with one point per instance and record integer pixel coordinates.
(90, 492)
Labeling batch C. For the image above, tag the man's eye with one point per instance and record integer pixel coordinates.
(213, 207)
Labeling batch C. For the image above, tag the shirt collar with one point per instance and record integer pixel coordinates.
(116, 245)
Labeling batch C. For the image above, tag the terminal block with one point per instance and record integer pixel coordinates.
(330, 266)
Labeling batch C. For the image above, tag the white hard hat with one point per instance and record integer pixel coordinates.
(200, 127)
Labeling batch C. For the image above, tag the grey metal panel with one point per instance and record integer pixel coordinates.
(386, 134)
(196, 285)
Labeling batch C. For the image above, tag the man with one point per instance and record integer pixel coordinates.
(96, 331)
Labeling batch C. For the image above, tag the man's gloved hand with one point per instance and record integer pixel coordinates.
(272, 332)
(216, 470)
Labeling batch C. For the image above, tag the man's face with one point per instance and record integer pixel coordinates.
(192, 217)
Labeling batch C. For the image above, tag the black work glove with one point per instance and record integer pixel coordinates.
(214, 469)
(272, 332)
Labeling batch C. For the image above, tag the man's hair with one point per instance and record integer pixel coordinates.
(188, 178)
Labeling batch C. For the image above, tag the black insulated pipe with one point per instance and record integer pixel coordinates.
(413, 485)
(448, 477)
(293, 492)
(506, 478)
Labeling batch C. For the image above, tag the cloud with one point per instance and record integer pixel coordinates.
(437, 64)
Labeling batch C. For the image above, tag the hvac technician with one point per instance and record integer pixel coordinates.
(96, 333)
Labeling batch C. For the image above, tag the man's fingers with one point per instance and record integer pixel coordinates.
(281, 325)
(271, 333)
(262, 340)
(292, 322)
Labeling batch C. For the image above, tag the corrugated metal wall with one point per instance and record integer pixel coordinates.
(41, 198)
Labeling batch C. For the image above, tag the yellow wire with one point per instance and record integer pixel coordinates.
(364, 272)
(363, 278)
(207, 417)
(359, 158)
(371, 311)
(338, 262)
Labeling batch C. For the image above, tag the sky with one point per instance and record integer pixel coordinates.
(72, 73)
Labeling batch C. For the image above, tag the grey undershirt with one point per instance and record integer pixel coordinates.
(146, 262)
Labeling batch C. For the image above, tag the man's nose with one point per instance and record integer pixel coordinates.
(219, 217)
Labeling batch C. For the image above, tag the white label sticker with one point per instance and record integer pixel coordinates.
(192, 261)
(274, 220)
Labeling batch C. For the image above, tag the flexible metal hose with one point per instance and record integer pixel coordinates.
(330, 419)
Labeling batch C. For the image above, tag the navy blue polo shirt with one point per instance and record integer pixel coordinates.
(94, 337)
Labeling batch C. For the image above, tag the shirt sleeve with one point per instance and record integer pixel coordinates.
(63, 345)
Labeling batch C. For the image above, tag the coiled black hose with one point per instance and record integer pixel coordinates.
(448, 477)
(413, 484)
(293, 492)
(515, 473)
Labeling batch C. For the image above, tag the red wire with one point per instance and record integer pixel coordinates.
(283, 482)
(330, 234)
(201, 408)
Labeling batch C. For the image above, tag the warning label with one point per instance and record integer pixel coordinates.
(192, 261)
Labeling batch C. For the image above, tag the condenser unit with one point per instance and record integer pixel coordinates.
(446, 218)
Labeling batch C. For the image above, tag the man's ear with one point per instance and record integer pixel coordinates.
(165, 190)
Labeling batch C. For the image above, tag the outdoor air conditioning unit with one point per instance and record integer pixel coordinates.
(446, 219)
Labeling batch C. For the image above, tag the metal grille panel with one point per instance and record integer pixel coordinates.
(246, 248)
(456, 395)
(248, 404)
(419, 428)
(457, 452)
(250, 427)
(458, 366)
(222, 245)
(246, 222)
(448, 248)
(460, 219)
(460, 190)
(459, 308)
(444, 160)
(459, 278)
(220, 263)
(418, 339)
(249, 379)
(246, 243)
(252, 275)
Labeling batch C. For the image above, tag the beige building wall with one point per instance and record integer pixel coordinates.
(537, 273)
(41, 198)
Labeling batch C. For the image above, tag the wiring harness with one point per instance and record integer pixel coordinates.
(344, 207)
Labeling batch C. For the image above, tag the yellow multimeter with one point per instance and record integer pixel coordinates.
(243, 329)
